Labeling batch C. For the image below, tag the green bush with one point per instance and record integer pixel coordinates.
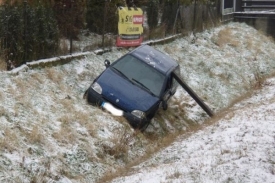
(27, 33)
(70, 16)
(98, 10)
(152, 13)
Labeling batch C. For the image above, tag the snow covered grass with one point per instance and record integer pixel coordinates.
(49, 133)
(239, 147)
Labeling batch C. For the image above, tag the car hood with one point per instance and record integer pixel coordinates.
(124, 94)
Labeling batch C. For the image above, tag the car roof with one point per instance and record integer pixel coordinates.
(155, 58)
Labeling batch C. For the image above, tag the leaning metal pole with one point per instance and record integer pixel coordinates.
(193, 95)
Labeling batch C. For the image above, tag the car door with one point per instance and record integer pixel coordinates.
(167, 92)
(168, 87)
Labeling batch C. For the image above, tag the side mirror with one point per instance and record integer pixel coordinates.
(107, 63)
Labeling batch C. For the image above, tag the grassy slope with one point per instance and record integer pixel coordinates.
(48, 132)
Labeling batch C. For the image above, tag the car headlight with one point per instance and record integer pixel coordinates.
(96, 87)
(138, 113)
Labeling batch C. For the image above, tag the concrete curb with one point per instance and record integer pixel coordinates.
(67, 58)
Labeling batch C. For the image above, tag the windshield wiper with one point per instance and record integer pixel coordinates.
(143, 86)
(121, 73)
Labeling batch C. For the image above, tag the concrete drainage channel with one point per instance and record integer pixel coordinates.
(65, 59)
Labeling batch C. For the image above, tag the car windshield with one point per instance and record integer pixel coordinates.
(141, 74)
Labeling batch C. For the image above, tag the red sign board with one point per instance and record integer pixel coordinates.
(130, 27)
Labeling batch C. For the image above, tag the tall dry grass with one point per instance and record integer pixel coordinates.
(66, 134)
(37, 77)
(3, 65)
(225, 37)
(35, 135)
(120, 143)
(1, 96)
(156, 33)
(54, 75)
(10, 140)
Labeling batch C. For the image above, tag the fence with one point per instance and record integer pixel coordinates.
(33, 31)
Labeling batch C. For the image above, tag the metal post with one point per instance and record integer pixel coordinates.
(193, 95)
(177, 14)
(195, 17)
(25, 32)
(71, 33)
(104, 23)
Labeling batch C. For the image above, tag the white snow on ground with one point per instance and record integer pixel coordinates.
(49, 134)
(240, 147)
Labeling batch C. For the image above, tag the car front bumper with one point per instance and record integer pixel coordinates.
(113, 110)
(96, 99)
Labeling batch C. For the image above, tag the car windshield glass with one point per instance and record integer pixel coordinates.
(144, 75)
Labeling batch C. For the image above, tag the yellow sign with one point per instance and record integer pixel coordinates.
(130, 26)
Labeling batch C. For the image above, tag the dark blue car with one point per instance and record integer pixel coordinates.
(135, 85)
